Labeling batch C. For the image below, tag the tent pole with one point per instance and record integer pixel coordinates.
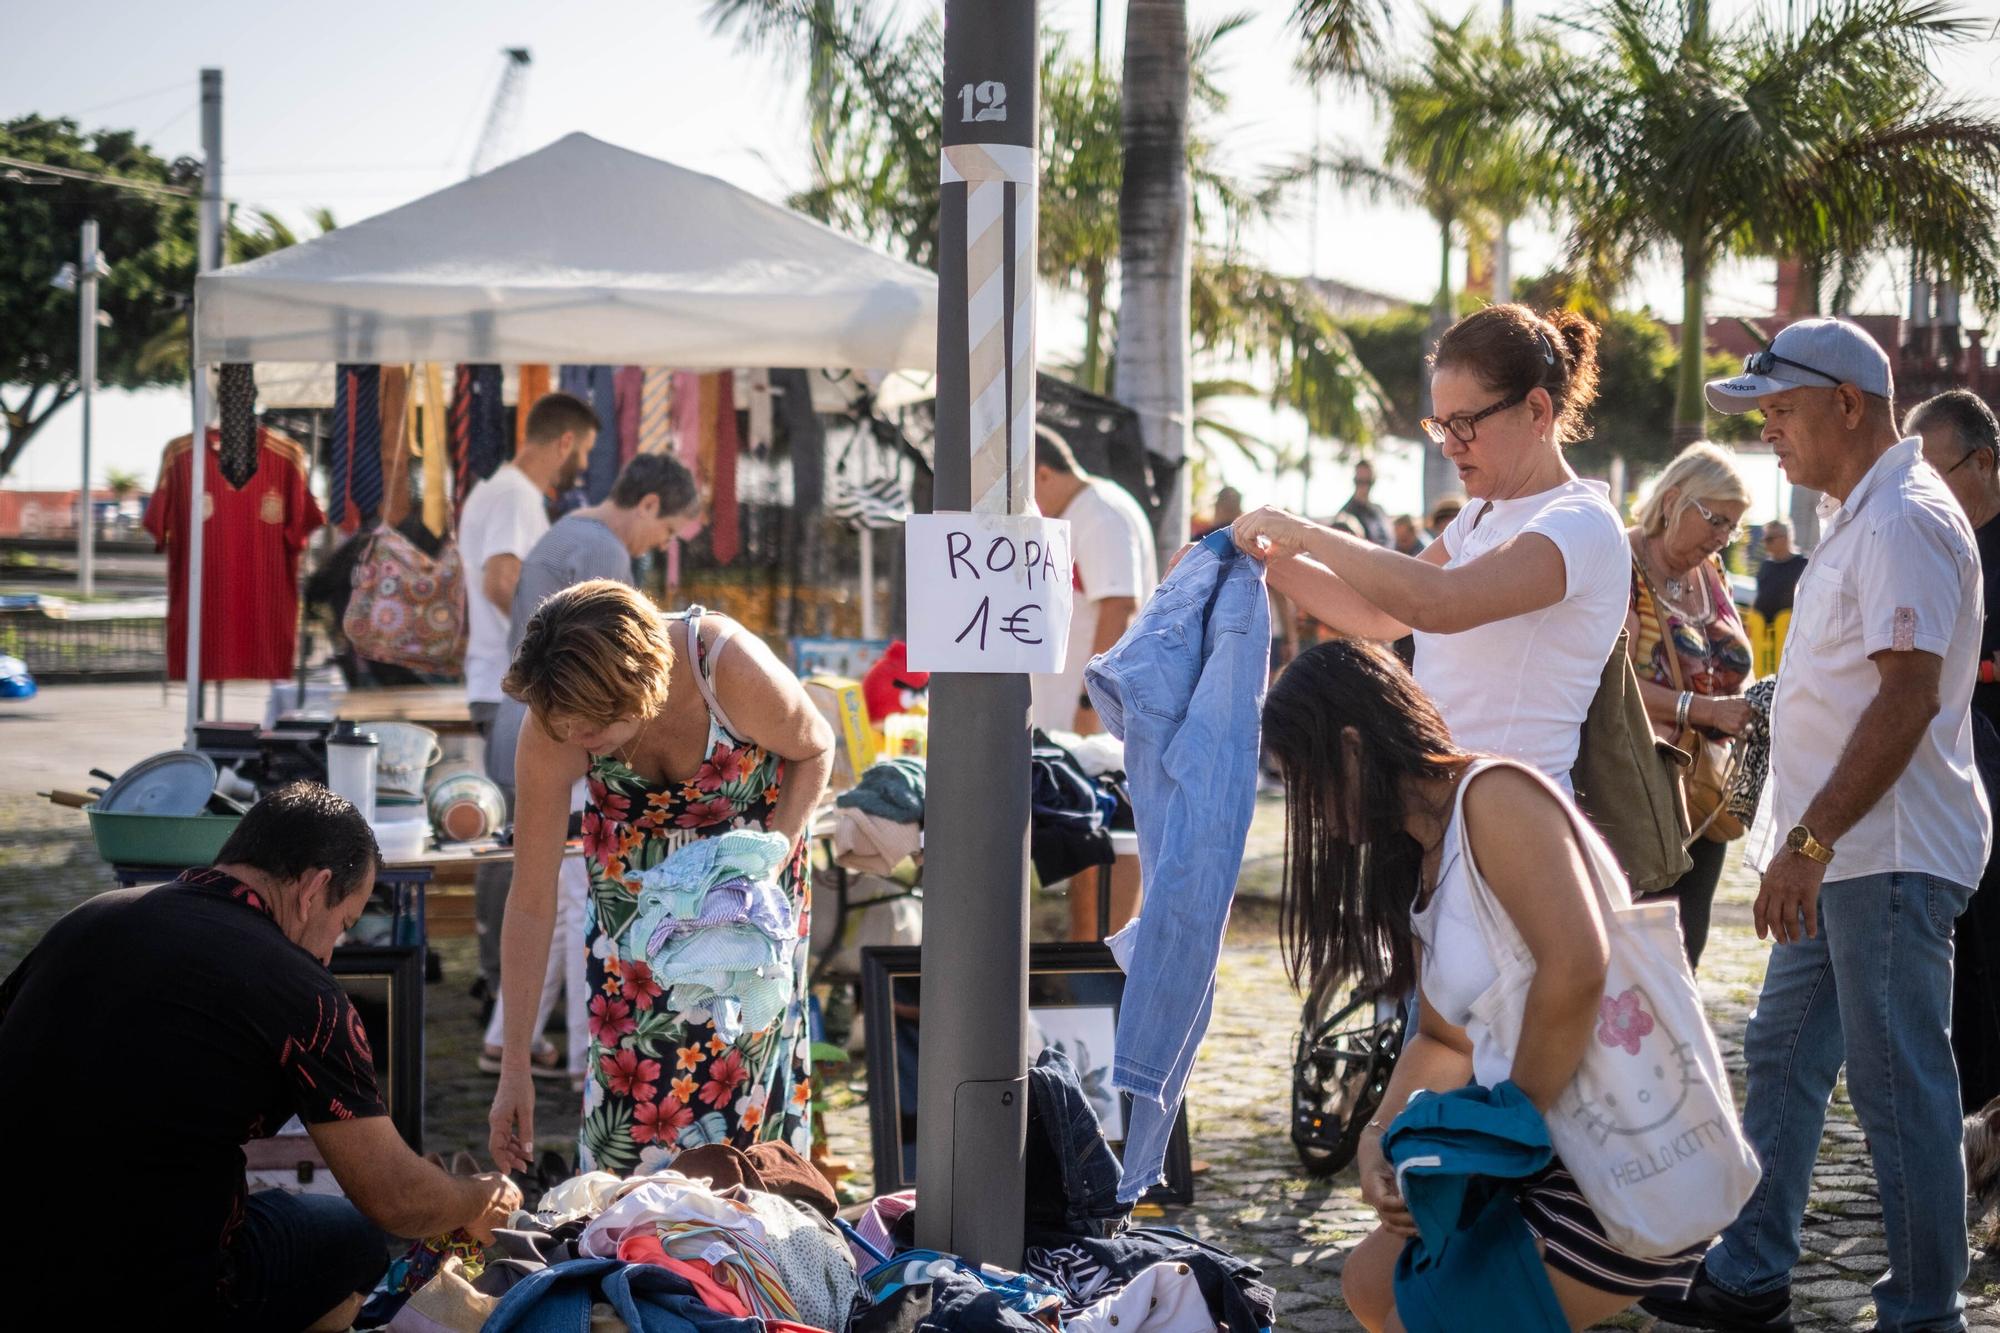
(972, 1077)
(208, 255)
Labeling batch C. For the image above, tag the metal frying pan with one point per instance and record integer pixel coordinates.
(175, 782)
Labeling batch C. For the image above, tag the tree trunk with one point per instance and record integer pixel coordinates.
(1155, 256)
(1690, 410)
(23, 422)
(1094, 283)
(1440, 477)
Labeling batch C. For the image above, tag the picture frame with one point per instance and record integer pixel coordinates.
(1075, 990)
(386, 985)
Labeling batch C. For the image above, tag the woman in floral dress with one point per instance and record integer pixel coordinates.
(684, 728)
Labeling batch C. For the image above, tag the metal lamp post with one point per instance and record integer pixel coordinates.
(972, 1077)
(82, 277)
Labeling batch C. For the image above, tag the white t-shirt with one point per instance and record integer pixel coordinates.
(504, 515)
(1520, 687)
(1896, 569)
(1112, 545)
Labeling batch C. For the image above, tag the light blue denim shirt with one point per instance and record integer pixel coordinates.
(1184, 689)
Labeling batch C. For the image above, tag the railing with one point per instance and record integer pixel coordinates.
(78, 651)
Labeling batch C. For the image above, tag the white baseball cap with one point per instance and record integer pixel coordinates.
(1813, 353)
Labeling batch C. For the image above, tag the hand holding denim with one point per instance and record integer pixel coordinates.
(1184, 689)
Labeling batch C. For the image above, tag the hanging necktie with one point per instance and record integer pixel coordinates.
(395, 445)
(532, 385)
(656, 396)
(601, 474)
(478, 426)
(427, 411)
(760, 413)
(627, 384)
(354, 456)
(461, 434)
(723, 533)
(237, 396)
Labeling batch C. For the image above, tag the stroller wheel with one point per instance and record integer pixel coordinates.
(1340, 1070)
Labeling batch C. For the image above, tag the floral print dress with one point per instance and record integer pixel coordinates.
(659, 1080)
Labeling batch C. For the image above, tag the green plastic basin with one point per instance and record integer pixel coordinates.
(160, 840)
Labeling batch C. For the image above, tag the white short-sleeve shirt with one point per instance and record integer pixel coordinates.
(1896, 570)
(1112, 546)
(1520, 687)
(504, 515)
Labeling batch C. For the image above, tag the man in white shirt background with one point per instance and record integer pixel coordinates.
(504, 516)
(1111, 544)
(1872, 837)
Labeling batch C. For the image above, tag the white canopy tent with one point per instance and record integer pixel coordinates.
(578, 253)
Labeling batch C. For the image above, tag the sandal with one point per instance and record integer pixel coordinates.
(546, 1062)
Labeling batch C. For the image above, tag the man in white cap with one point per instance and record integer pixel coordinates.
(1873, 833)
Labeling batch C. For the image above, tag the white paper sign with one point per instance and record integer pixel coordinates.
(988, 592)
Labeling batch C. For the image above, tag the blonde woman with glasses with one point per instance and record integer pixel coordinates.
(1688, 644)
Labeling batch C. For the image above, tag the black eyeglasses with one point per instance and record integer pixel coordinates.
(1763, 363)
(1466, 427)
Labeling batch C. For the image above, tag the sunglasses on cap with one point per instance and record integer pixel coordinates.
(1763, 363)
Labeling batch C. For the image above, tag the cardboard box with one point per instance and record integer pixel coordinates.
(839, 702)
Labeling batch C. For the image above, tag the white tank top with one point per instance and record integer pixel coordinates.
(1455, 966)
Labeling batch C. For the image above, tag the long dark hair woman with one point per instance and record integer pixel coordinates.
(1376, 888)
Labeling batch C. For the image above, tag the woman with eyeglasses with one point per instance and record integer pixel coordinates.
(1516, 608)
(1688, 645)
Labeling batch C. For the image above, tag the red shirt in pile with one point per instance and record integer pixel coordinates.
(250, 555)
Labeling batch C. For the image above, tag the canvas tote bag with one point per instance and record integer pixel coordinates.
(1647, 1126)
(1628, 780)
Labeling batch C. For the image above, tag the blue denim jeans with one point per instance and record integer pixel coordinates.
(294, 1258)
(1873, 988)
(1184, 689)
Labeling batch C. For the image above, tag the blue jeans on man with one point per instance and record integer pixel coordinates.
(1873, 989)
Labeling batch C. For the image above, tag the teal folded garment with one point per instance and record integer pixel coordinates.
(892, 789)
(1459, 1157)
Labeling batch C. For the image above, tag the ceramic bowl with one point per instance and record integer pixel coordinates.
(465, 805)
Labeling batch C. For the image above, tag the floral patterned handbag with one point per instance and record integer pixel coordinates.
(408, 607)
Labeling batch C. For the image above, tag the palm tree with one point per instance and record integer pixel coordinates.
(259, 233)
(1461, 145)
(1817, 129)
(1341, 39)
(881, 183)
(1156, 243)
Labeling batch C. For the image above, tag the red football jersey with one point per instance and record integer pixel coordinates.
(250, 555)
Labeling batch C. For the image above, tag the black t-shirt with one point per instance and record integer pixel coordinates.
(1986, 698)
(1777, 580)
(147, 1037)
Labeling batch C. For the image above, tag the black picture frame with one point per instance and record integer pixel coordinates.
(386, 985)
(1078, 977)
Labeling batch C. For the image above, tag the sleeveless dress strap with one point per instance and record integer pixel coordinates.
(704, 666)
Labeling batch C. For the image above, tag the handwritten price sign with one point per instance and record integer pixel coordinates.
(988, 592)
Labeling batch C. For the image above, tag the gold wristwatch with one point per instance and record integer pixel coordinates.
(1801, 840)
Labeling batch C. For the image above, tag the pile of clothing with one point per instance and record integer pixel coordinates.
(1084, 1267)
(753, 1242)
(716, 927)
(1077, 797)
(878, 823)
(725, 1242)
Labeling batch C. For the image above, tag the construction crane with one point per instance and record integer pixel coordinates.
(496, 141)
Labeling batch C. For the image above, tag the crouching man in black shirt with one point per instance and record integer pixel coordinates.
(149, 1035)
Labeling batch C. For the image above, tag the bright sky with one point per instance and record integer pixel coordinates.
(366, 106)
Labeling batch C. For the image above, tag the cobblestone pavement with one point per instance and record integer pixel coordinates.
(1251, 1195)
